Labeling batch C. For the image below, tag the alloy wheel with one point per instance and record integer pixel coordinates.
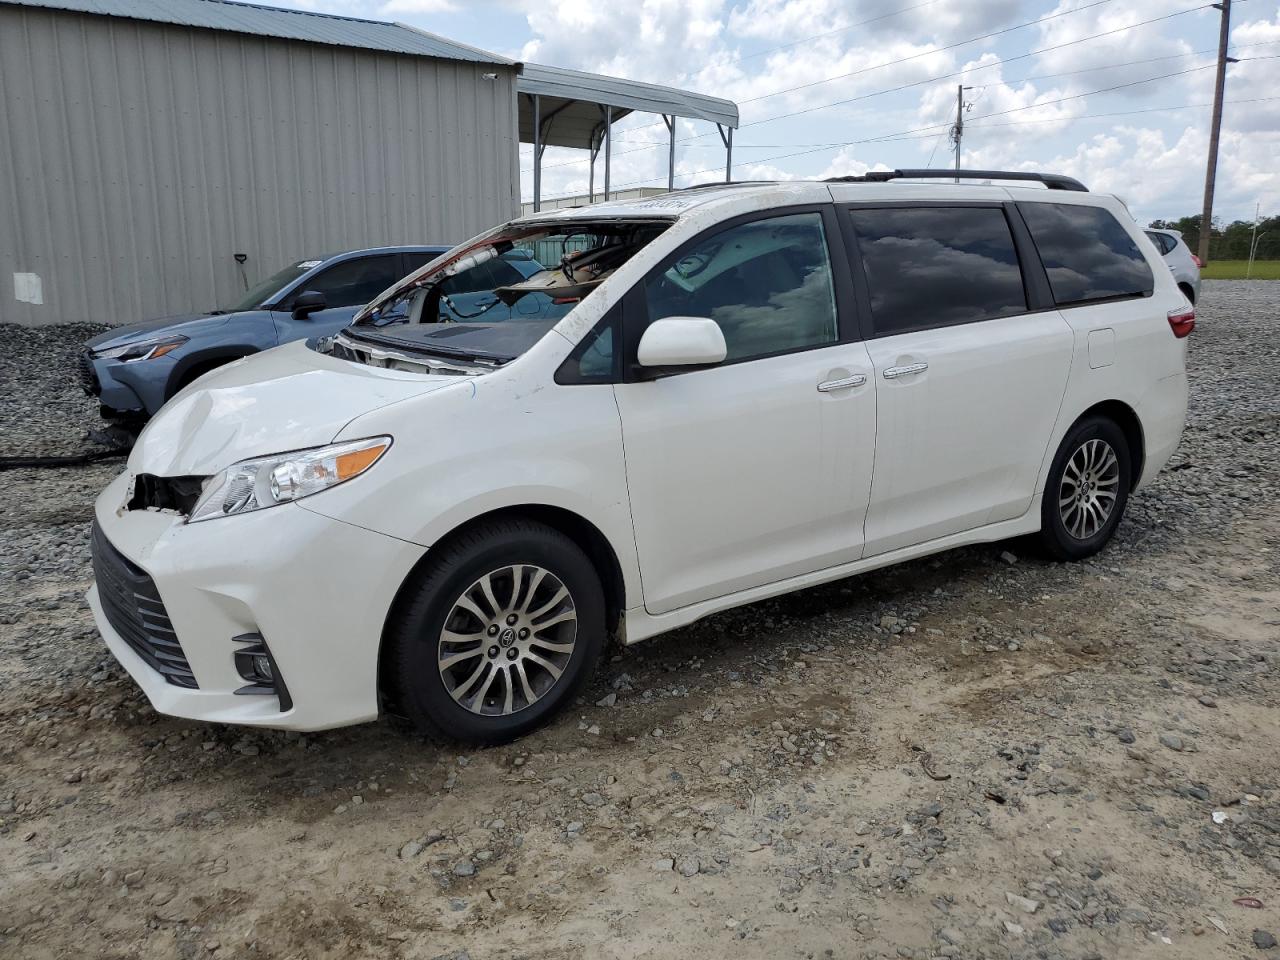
(507, 640)
(1090, 483)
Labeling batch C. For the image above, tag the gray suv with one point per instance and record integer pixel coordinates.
(134, 369)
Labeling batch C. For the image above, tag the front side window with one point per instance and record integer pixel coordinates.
(937, 266)
(352, 283)
(414, 260)
(594, 359)
(1087, 253)
(767, 284)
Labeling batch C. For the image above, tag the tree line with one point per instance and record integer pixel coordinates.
(1229, 242)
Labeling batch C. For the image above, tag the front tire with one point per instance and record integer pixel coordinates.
(501, 629)
(1086, 491)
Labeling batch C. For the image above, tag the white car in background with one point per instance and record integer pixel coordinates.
(1183, 264)
(748, 390)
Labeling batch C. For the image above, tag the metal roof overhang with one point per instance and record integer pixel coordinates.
(570, 108)
(573, 103)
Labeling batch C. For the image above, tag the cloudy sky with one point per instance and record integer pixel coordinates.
(1115, 92)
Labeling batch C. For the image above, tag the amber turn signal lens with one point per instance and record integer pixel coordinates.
(354, 463)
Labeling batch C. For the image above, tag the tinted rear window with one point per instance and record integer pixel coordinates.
(937, 266)
(1163, 243)
(1087, 253)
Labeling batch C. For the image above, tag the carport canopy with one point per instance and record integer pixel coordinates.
(570, 108)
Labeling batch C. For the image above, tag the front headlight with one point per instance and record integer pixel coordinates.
(267, 481)
(142, 349)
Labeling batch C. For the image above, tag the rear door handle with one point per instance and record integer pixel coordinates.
(892, 373)
(844, 383)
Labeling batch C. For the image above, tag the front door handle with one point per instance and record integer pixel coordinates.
(844, 383)
(892, 373)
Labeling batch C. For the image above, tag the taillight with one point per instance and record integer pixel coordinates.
(1196, 261)
(1182, 322)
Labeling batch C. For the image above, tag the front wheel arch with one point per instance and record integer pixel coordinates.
(197, 364)
(409, 686)
(576, 527)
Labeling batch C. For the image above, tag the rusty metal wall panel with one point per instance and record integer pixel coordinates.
(142, 157)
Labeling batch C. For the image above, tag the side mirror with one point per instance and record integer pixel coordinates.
(681, 342)
(307, 303)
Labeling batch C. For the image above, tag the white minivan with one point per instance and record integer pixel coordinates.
(715, 396)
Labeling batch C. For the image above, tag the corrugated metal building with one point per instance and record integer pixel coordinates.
(582, 199)
(145, 143)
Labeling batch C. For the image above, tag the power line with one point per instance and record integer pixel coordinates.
(901, 87)
(830, 33)
(1084, 116)
(970, 125)
(1043, 76)
(906, 134)
(1077, 96)
(915, 56)
(967, 71)
(927, 53)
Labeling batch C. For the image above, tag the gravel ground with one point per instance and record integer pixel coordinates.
(976, 755)
(44, 412)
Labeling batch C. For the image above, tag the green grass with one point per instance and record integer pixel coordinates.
(1235, 270)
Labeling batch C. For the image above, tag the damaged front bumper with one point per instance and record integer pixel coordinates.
(184, 607)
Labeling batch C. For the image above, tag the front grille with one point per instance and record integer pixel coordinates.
(88, 376)
(133, 607)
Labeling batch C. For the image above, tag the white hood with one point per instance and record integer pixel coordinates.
(283, 399)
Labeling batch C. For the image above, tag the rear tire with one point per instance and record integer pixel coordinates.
(1086, 491)
(502, 628)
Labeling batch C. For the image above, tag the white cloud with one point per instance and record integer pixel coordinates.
(1253, 78)
(1161, 174)
(419, 6)
(846, 164)
(747, 50)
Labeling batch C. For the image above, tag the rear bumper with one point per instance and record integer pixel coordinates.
(1163, 416)
(317, 590)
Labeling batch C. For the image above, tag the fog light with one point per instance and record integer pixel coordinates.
(262, 668)
(257, 668)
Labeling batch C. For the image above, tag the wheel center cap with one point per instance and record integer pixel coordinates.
(507, 637)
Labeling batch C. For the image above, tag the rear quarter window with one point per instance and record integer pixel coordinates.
(1164, 243)
(1087, 254)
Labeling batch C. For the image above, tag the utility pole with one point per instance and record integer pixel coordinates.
(1253, 242)
(1211, 173)
(957, 129)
